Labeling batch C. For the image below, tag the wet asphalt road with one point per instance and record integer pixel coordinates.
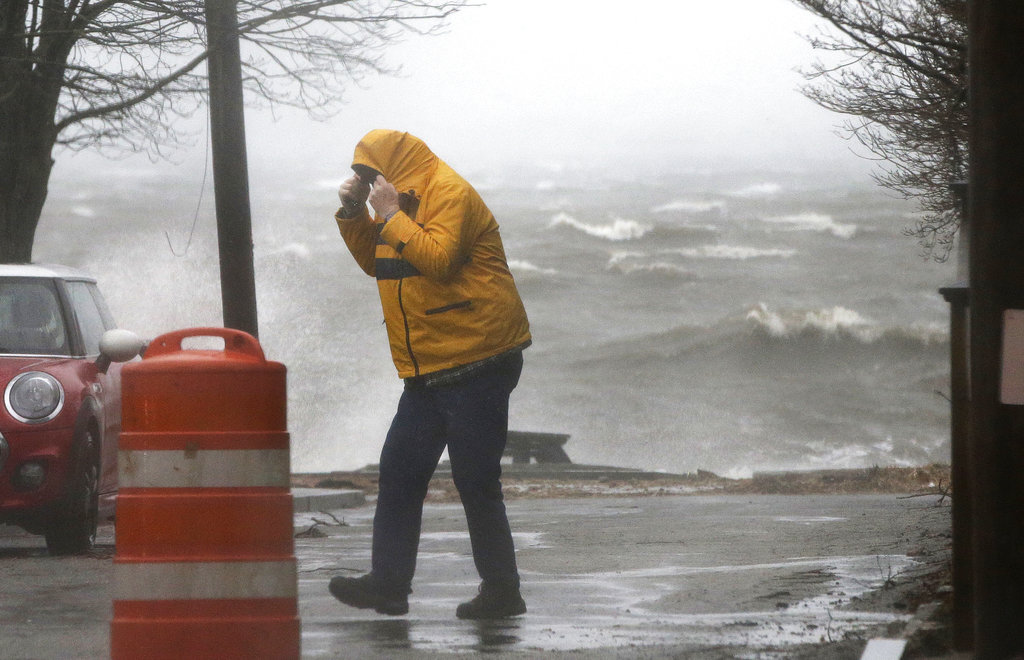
(674, 576)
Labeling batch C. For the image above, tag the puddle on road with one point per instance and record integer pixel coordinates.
(620, 609)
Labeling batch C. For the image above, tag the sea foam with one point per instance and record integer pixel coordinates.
(689, 206)
(619, 229)
(818, 222)
(521, 265)
(662, 267)
(838, 322)
(830, 321)
(738, 252)
(758, 190)
(629, 262)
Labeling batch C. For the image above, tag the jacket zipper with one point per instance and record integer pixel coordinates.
(408, 339)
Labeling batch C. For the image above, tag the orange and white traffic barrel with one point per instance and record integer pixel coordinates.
(204, 565)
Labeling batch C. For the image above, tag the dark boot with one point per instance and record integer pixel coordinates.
(495, 601)
(367, 593)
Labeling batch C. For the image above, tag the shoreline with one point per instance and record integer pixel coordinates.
(575, 480)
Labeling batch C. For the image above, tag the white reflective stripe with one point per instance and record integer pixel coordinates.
(196, 580)
(216, 468)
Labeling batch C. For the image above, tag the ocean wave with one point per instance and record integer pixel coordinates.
(758, 190)
(622, 255)
(839, 322)
(817, 222)
(777, 346)
(619, 229)
(522, 266)
(690, 206)
(737, 252)
(674, 232)
(629, 262)
(829, 320)
(656, 267)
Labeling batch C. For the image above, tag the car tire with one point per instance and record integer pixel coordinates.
(72, 530)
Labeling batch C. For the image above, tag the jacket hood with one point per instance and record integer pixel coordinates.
(404, 160)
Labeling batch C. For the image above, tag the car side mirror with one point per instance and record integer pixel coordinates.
(118, 346)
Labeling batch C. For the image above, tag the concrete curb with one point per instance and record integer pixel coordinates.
(305, 500)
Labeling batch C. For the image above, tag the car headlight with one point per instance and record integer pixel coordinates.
(34, 397)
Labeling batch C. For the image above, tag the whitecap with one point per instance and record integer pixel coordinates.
(690, 206)
(737, 252)
(758, 190)
(661, 267)
(622, 255)
(619, 229)
(829, 320)
(528, 267)
(818, 222)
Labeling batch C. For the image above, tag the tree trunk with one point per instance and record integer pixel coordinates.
(25, 166)
(29, 90)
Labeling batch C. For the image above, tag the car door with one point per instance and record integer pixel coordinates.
(93, 320)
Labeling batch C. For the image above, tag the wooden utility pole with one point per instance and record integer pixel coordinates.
(996, 199)
(230, 168)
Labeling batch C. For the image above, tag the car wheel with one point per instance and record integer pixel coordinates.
(72, 530)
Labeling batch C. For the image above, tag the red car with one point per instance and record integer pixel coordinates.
(61, 412)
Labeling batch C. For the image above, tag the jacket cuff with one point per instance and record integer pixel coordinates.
(342, 215)
(399, 230)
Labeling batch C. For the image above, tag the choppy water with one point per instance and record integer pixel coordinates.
(728, 322)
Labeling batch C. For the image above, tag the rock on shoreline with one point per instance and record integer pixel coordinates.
(574, 480)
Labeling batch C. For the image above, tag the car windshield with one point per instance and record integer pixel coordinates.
(31, 322)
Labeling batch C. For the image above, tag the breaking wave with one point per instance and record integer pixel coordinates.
(839, 322)
(619, 229)
(690, 206)
(817, 222)
(523, 266)
(758, 190)
(737, 252)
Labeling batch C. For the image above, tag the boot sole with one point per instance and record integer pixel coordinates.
(391, 608)
(481, 616)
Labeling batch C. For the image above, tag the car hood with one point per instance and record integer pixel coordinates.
(11, 366)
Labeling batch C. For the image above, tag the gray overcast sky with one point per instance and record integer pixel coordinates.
(646, 83)
(560, 81)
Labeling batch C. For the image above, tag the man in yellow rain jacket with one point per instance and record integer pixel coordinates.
(457, 329)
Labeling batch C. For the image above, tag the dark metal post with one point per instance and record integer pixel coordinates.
(996, 285)
(230, 169)
(958, 297)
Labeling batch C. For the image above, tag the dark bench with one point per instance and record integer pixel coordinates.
(543, 447)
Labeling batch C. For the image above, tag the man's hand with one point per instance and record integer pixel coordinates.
(383, 197)
(353, 193)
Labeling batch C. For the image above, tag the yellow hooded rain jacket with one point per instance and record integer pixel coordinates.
(445, 286)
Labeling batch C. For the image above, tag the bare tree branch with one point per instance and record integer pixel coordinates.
(901, 78)
(115, 74)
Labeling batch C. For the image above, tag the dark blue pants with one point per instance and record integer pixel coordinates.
(471, 418)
